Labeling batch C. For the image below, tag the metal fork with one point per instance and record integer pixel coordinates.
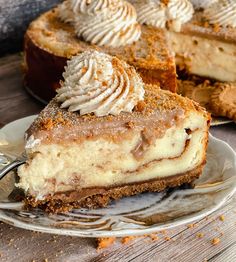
(4, 160)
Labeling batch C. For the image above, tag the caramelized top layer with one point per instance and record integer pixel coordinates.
(200, 26)
(159, 111)
(150, 51)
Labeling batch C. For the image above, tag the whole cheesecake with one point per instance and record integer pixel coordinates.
(107, 135)
(62, 33)
(202, 35)
(207, 50)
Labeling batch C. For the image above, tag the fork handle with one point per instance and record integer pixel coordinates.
(10, 167)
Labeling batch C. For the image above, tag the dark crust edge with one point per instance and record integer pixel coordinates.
(100, 197)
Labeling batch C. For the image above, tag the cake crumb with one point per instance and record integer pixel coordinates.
(163, 232)
(140, 106)
(190, 225)
(222, 218)
(215, 241)
(130, 124)
(206, 24)
(126, 240)
(216, 28)
(167, 238)
(47, 124)
(84, 69)
(154, 237)
(105, 242)
(200, 235)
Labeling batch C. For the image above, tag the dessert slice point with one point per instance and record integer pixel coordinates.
(128, 141)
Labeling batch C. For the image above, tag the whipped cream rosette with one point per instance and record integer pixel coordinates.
(101, 84)
(66, 13)
(102, 22)
(197, 4)
(223, 13)
(157, 13)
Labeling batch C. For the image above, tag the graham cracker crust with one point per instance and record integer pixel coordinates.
(100, 197)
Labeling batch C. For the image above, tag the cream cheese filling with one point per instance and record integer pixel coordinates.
(102, 163)
(204, 57)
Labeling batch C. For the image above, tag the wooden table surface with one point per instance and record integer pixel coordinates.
(186, 243)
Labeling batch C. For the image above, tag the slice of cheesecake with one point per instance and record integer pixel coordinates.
(84, 150)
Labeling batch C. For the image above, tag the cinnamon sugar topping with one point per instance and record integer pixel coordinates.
(140, 106)
(47, 123)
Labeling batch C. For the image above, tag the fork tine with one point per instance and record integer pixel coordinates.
(17, 162)
(4, 160)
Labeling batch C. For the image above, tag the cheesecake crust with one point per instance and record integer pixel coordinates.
(101, 197)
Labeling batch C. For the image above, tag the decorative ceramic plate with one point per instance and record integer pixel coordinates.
(141, 214)
(217, 121)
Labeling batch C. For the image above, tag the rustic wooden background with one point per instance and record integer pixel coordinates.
(15, 16)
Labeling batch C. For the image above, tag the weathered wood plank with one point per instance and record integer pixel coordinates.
(14, 101)
(228, 254)
(15, 16)
(184, 244)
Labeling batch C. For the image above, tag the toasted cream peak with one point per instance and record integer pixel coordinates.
(202, 3)
(156, 13)
(151, 12)
(101, 84)
(65, 12)
(102, 22)
(223, 13)
(92, 7)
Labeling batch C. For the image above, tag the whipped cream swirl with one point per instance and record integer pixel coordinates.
(179, 12)
(223, 12)
(197, 4)
(103, 22)
(101, 84)
(156, 13)
(151, 12)
(91, 7)
(65, 12)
